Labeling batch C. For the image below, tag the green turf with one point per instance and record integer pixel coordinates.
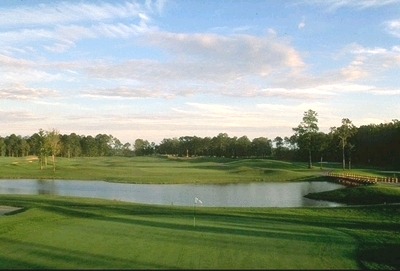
(64, 232)
(380, 193)
(159, 169)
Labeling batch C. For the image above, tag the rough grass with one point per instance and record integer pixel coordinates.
(71, 233)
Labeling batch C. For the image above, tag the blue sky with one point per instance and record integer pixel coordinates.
(164, 69)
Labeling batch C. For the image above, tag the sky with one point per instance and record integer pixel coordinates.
(172, 68)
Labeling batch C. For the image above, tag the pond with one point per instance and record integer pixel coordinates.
(266, 194)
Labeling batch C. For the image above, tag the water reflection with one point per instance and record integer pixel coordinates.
(227, 195)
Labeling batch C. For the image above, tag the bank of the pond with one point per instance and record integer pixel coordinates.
(260, 194)
(360, 195)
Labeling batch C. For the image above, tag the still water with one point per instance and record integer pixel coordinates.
(215, 195)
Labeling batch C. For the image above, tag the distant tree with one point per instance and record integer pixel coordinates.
(243, 146)
(261, 147)
(53, 142)
(143, 147)
(40, 148)
(350, 149)
(305, 131)
(24, 146)
(104, 144)
(89, 146)
(346, 130)
(321, 143)
(12, 143)
(3, 147)
(126, 149)
(278, 147)
(220, 144)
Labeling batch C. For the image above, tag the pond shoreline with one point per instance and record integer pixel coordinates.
(256, 194)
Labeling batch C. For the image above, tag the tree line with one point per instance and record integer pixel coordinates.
(372, 145)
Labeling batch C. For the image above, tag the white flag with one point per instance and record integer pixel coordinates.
(196, 199)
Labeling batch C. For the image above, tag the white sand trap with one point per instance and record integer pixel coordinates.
(7, 209)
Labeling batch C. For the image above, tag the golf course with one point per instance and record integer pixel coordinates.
(63, 232)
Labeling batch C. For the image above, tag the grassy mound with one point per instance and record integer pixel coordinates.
(360, 195)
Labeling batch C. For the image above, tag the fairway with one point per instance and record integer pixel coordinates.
(160, 169)
(57, 232)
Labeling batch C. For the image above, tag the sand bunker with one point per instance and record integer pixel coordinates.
(7, 209)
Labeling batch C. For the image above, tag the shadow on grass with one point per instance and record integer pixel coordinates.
(56, 257)
(232, 225)
(380, 255)
(245, 223)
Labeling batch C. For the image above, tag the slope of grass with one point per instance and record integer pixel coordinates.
(63, 232)
(380, 193)
(159, 169)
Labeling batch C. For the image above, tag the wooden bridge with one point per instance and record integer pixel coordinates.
(349, 179)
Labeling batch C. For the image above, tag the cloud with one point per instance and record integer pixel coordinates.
(372, 60)
(124, 92)
(241, 48)
(193, 59)
(67, 12)
(393, 27)
(19, 91)
(333, 5)
(302, 24)
(17, 116)
(58, 26)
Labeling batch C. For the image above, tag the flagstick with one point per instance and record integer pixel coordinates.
(194, 213)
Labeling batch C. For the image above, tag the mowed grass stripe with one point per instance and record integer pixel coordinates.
(60, 232)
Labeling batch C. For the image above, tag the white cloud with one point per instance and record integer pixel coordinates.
(393, 27)
(66, 12)
(194, 59)
(333, 5)
(19, 91)
(302, 24)
(58, 26)
(123, 92)
(17, 116)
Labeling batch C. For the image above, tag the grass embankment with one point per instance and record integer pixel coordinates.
(63, 232)
(159, 169)
(380, 193)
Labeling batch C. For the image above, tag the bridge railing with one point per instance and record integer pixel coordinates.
(362, 178)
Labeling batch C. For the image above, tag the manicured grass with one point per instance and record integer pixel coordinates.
(380, 193)
(64, 232)
(159, 169)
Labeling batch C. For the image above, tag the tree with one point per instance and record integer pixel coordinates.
(53, 142)
(321, 143)
(220, 144)
(261, 147)
(103, 144)
(2, 147)
(305, 132)
(38, 139)
(12, 143)
(278, 147)
(24, 147)
(243, 145)
(141, 147)
(344, 132)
